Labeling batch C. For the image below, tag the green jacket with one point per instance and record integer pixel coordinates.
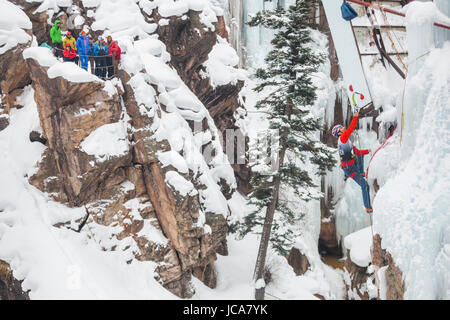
(55, 33)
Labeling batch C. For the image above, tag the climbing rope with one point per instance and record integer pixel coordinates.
(389, 29)
(379, 148)
(371, 29)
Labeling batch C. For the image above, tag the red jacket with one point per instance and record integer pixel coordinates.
(344, 137)
(114, 48)
(68, 52)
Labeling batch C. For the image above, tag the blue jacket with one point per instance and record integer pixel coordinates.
(97, 49)
(83, 45)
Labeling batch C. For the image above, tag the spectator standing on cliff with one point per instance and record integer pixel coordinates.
(69, 39)
(100, 52)
(91, 54)
(113, 58)
(69, 54)
(83, 48)
(55, 35)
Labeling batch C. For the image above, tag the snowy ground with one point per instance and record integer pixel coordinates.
(235, 279)
(62, 264)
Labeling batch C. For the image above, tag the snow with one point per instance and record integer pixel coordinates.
(174, 159)
(42, 55)
(108, 141)
(91, 3)
(412, 207)
(420, 17)
(382, 278)
(51, 5)
(359, 244)
(67, 70)
(161, 72)
(146, 61)
(260, 284)
(152, 234)
(122, 18)
(235, 276)
(148, 231)
(168, 8)
(56, 262)
(329, 280)
(13, 23)
(180, 184)
(221, 63)
(71, 72)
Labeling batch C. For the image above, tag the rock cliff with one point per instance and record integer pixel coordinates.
(127, 191)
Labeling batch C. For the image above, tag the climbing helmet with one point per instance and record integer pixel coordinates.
(335, 130)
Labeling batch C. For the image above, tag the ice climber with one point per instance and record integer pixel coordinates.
(352, 161)
(83, 48)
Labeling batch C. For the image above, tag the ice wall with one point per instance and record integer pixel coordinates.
(442, 35)
(411, 209)
(256, 40)
(234, 20)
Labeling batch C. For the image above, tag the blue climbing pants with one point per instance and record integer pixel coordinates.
(356, 172)
(84, 61)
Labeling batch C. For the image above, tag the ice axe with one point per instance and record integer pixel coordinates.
(361, 96)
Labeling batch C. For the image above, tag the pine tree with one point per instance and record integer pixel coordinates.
(288, 77)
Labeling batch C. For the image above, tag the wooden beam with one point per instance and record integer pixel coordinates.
(376, 6)
(388, 58)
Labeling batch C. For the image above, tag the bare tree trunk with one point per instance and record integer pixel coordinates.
(265, 236)
(267, 228)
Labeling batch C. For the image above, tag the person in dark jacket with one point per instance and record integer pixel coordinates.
(83, 48)
(100, 52)
(91, 54)
(352, 161)
(55, 35)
